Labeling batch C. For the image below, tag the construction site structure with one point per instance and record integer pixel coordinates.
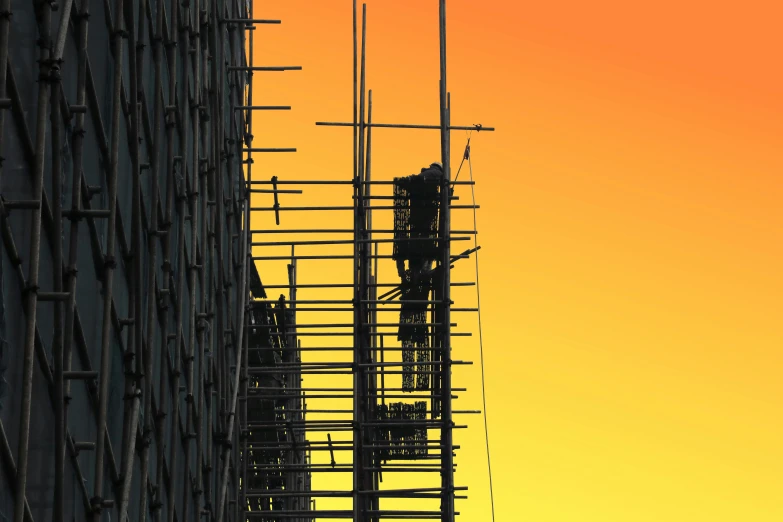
(146, 371)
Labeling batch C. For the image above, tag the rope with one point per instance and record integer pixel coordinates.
(481, 337)
(465, 156)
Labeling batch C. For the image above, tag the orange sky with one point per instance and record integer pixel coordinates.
(631, 234)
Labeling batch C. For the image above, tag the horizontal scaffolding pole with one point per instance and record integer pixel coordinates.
(341, 182)
(338, 366)
(336, 208)
(371, 309)
(320, 514)
(404, 126)
(308, 390)
(293, 329)
(345, 285)
(268, 191)
(349, 301)
(354, 241)
(342, 396)
(334, 230)
(262, 108)
(298, 257)
(265, 68)
(267, 149)
(330, 349)
(428, 444)
(378, 493)
(248, 21)
(350, 334)
(342, 424)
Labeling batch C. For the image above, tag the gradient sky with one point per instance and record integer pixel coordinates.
(631, 232)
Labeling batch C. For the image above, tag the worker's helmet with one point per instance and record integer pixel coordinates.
(437, 164)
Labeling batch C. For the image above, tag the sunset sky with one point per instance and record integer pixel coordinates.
(631, 231)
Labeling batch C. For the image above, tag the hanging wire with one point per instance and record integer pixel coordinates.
(466, 156)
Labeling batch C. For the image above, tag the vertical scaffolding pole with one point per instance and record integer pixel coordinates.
(242, 298)
(216, 179)
(31, 289)
(192, 104)
(355, 101)
(5, 22)
(109, 264)
(178, 172)
(153, 235)
(57, 260)
(57, 343)
(359, 381)
(77, 146)
(136, 379)
(447, 452)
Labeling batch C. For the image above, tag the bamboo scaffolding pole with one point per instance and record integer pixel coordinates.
(177, 175)
(149, 301)
(135, 382)
(342, 182)
(77, 145)
(31, 297)
(57, 261)
(408, 126)
(161, 116)
(191, 62)
(5, 23)
(242, 299)
(42, 360)
(110, 263)
(447, 461)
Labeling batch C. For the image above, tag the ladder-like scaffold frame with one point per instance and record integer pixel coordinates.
(364, 362)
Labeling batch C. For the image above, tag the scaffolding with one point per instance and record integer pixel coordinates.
(146, 371)
(387, 408)
(126, 136)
